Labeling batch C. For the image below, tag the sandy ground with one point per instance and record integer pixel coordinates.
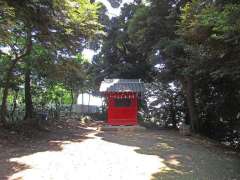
(82, 153)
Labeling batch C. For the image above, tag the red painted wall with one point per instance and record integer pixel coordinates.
(122, 115)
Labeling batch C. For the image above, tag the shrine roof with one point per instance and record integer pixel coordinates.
(122, 85)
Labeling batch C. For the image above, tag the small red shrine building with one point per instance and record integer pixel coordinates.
(122, 97)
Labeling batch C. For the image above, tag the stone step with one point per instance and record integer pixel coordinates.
(121, 128)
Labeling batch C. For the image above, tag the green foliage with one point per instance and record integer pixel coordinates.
(210, 21)
(119, 57)
(80, 14)
(57, 94)
(45, 38)
(138, 25)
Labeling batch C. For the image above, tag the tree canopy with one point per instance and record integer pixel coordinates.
(42, 40)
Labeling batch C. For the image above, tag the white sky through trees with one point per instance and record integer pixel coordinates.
(112, 12)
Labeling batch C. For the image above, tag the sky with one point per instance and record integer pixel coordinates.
(88, 54)
(5, 49)
(113, 12)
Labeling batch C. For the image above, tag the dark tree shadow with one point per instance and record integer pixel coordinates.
(184, 157)
(13, 145)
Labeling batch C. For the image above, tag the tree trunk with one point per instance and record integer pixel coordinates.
(9, 75)
(173, 112)
(4, 110)
(82, 103)
(89, 96)
(187, 118)
(75, 96)
(28, 95)
(82, 99)
(173, 116)
(189, 92)
(72, 101)
(57, 110)
(14, 103)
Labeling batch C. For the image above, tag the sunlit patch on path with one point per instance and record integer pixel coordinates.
(90, 159)
(147, 155)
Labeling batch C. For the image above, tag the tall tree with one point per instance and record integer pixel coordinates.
(41, 22)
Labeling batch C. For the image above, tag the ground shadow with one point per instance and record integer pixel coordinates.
(14, 145)
(184, 157)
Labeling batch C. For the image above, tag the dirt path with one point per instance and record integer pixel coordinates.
(76, 152)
